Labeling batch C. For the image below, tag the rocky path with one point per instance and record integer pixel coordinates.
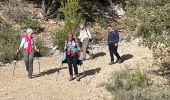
(52, 83)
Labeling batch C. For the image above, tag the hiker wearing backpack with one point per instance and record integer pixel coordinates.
(113, 39)
(85, 37)
(72, 53)
(28, 44)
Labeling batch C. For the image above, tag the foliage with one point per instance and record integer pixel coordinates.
(34, 24)
(134, 86)
(9, 40)
(43, 50)
(72, 19)
(153, 23)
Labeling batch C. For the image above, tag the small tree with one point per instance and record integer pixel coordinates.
(72, 19)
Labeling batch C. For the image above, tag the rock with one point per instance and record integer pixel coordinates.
(1, 64)
(40, 15)
(52, 22)
(120, 11)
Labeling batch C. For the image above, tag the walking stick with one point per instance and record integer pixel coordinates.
(38, 64)
(15, 62)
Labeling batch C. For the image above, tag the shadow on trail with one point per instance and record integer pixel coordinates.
(48, 72)
(91, 72)
(164, 70)
(100, 54)
(126, 57)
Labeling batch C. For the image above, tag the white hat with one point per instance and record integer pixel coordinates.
(29, 30)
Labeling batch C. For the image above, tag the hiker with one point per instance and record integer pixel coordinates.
(85, 37)
(28, 44)
(113, 39)
(72, 50)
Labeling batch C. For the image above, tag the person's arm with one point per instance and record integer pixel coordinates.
(80, 35)
(88, 33)
(117, 38)
(21, 45)
(65, 46)
(78, 47)
(35, 46)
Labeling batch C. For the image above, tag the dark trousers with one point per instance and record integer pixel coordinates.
(28, 59)
(113, 50)
(72, 63)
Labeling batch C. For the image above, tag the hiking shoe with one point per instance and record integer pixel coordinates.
(30, 77)
(71, 78)
(91, 57)
(77, 77)
(112, 62)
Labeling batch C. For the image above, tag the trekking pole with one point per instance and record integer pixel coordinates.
(15, 62)
(38, 64)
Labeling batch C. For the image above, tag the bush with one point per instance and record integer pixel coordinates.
(134, 86)
(43, 49)
(59, 39)
(9, 40)
(34, 24)
(71, 18)
(132, 23)
(153, 23)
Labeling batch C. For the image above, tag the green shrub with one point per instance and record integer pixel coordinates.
(134, 86)
(43, 50)
(9, 40)
(71, 20)
(102, 20)
(59, 39)
(153, 23)
(34, 24)
(132, 23)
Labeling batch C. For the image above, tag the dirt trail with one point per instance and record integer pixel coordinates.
(53, 84)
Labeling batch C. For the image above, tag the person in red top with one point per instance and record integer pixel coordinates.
(29, 46)
(72, 48)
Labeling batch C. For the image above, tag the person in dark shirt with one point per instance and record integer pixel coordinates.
(113, 39)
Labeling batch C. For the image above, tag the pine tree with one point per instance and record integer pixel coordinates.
(72, 19)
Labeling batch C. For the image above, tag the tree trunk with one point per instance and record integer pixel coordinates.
(44, 6)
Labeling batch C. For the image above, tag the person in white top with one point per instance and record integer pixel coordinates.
(84, 37)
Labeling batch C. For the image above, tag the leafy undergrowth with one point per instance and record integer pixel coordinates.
(135, 85)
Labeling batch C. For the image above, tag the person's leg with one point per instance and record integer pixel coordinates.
(31, 59)
(75, 60)
(90, 53)
(111, 48)
(26, 60)
(69, 62)
(85, 45)
(117, 54)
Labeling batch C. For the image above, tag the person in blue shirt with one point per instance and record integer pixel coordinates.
(113, 39)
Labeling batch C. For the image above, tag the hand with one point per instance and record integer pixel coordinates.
(116, 44)
(37, 50)
(18, 51)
